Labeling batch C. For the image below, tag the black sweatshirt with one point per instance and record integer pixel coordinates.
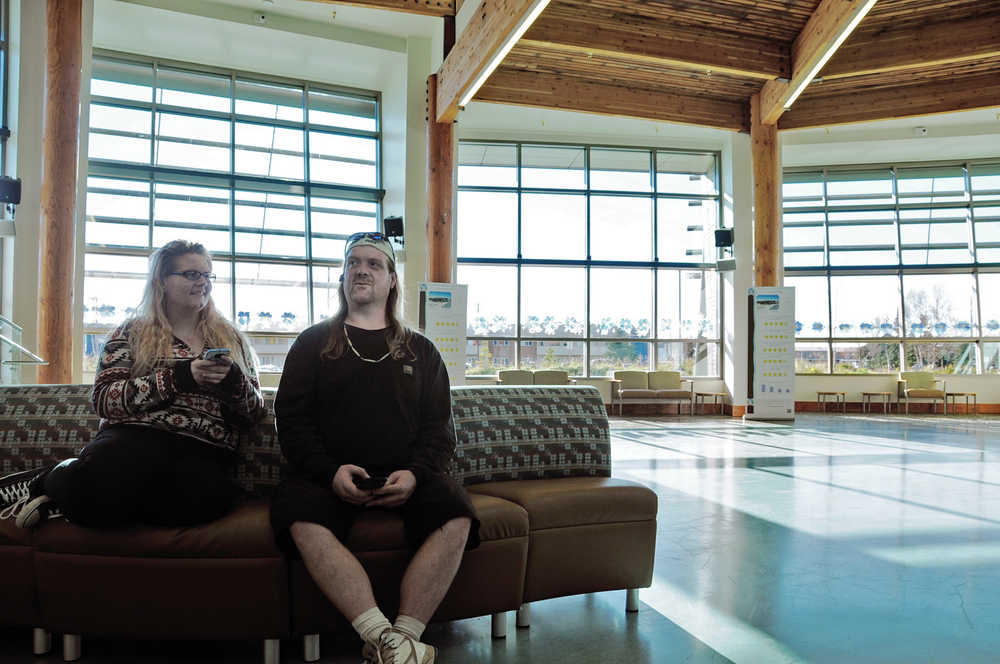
(385, 416)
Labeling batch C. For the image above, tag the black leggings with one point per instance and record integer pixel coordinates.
(133, 474)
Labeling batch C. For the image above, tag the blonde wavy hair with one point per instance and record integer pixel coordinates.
(151, 336)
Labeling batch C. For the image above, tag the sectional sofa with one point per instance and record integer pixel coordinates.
(536, 461)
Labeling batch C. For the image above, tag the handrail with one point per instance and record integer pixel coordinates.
(34, 358)
(7, 321)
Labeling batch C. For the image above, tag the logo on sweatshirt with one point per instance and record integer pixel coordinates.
(407, 370)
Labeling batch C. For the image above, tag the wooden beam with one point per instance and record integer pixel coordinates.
(904, 48)
(942, 96)
(690, 48)
(826, 29)
(550, 91)
(490, 34)
(425, 7)
(63, 59)
(440, 189)
(766, 197)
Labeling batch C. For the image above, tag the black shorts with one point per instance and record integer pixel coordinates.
(435, 501)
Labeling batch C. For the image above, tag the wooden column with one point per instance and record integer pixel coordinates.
(440, 189)
(62, 114)
(766, 198)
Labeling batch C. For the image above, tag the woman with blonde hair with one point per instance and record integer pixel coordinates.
(171, 416)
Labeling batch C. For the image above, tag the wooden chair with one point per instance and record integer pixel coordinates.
(515, 377)
(922, 385)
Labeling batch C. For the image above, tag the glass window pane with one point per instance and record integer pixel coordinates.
(606, 357)
(183, 140)
(269, 151)
(487, 165)
(193, 90)
(989, 302)
(620, 170)
(271, 297)
(804, 236)
(621, 228)
(552, 167)
(326, 281)
(485, 357)
(811, 357)
(691, 358)
(191, 205)
(802, 189)
(865, 358)
(349, 160)
(214, 241)
(266, 211)
(554, 226)
(991, 358)
(119, 134)
(110, 201)
(271, 351)
(112, 289)
(553, 301)
(845, 258)
(222, 288)
(937, 184)
(565, 355)
(265, 244)
(985, 180)
(812, 317)
(865, 306)
(620, 302)
(341, 110)
(269, 100)
(941, 358)
(668, 304)
(487, 224)
(940, 305)
(686, 230)
(121, 79)
(492, 299)
(869, 187)
(699, 303)
(804, 258)
(867, 235)
(686, 173)
(333, 216)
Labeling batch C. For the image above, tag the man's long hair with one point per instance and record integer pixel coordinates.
(151, 336)
(397, 335)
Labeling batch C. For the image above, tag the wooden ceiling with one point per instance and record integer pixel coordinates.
(700, 61)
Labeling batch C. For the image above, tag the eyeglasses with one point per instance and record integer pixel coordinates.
(195, 275)
(368, 235)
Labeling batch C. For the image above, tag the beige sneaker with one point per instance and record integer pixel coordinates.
(396, 648)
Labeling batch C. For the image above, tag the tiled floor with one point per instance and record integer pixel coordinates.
(833, 539)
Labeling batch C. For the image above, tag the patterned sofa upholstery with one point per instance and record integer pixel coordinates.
(536, 461)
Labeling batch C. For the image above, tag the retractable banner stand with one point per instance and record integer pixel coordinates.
(442, 312)
(771, 379)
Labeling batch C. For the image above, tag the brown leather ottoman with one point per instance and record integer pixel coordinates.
(588, 534)
(491, 577)
(224, 580)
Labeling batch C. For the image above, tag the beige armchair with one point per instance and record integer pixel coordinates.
(553, 377)
(515, 377)
(922, 385)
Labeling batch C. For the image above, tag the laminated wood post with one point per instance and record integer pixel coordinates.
(766, 198)
(440, 189)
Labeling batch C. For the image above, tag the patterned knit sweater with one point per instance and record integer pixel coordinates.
(168, 397)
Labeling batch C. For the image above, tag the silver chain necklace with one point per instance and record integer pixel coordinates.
(360, 356)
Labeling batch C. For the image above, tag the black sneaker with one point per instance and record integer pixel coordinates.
(17, 489)
(36, 510)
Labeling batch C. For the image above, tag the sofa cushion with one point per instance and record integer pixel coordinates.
(664, 380)
(575, 501)
(925, 394)
(633, 380)
(382, 530)
(243, 533)
(673, 394)
(11, 534)
(510, 432)
(638, 394)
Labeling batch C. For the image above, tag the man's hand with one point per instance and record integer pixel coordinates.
(343, 485)
(208, 373)
(397, 490)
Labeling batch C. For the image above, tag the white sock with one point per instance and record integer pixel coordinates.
(370, 624)
(411, 627)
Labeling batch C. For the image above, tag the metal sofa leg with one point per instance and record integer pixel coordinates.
(500, 625)
(272, 651)
(310, 647)
(632, 600)
(41, 641)
(524, 615)
(72, 649)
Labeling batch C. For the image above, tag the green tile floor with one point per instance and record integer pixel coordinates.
(832, 539)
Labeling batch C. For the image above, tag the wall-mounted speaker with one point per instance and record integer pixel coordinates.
(724, 237)
(393, 226)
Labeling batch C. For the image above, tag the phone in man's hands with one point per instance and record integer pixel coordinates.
(370, 483)
(213, 354)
